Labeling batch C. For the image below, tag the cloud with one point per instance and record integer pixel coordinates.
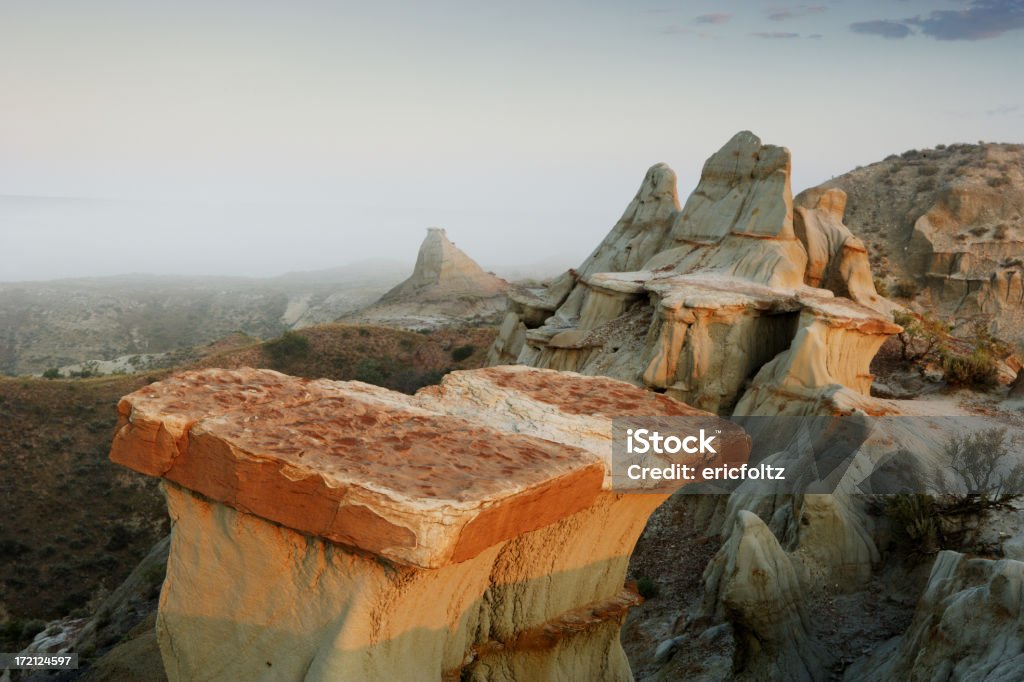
(794, 11)
(984, 19)
(777, 35)
(676, 30)
(981, 20)
(894, 30)
(717, 18)
(815, 36)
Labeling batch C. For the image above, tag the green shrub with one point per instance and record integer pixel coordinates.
(52, 373)
(287, 347)
(977, 369)
(374, 371)
(923, 336)
(978, 462)
(647, 588)
(915, 518)
(462, 352)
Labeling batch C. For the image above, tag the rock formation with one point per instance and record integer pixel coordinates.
(443, 270)
(336, 530)
(968, 625)
(446, 287)
(696, 301)
(740, 302)
(753, 583)
(946, 227)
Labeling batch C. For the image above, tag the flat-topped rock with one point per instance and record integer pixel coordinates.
(344, 531)
(417, 480)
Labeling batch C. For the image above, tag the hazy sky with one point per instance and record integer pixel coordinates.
(258, 137)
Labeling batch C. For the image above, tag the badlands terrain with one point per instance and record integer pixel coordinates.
(741, 302)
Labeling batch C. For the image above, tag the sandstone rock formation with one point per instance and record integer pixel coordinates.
(968, 625)
(742, 302)
(446, 287)
(948, 222)
(752, 582)
(444, 270)
(836, 260)
(696, 301)
(335, 530)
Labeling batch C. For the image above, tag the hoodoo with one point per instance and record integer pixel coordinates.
(336, 530)
(442, 269)
(697, 301)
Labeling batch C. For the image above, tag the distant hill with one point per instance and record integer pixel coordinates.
(945, 227)
(64, 322)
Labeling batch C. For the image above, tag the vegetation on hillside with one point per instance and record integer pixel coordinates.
(926, 340)
(74, 524)
(980, 473)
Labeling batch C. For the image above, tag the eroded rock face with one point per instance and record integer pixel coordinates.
(753, 584)
(696, 301)
(347, 532)
(949, 220)
(968, 625)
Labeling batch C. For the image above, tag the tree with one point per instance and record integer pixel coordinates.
(923, 336)
(981, 469)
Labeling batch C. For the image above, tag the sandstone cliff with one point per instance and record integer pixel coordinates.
(446, 287)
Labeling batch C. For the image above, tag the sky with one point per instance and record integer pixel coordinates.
(254, 138)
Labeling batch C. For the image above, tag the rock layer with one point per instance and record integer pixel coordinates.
(343, 531)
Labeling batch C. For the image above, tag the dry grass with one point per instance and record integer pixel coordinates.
(74, 523)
